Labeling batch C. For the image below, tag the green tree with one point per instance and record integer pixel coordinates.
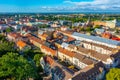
(82, 29)
(16, 66)
(9, 30)
(97, 26)
(37, 59)
(2, 38)
(42, 26)
(88, 29)
(6, 47)
(113, 74)
(117, 31)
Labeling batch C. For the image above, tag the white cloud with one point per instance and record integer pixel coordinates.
(97, 4)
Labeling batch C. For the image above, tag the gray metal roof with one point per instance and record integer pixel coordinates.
(99, 30)
(64, 45)
(99, 39)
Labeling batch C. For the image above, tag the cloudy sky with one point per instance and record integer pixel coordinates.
(59, 5)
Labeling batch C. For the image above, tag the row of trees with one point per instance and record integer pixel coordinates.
(79, 18)
(42, 26)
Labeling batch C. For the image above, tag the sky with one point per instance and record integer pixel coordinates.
(59, 5)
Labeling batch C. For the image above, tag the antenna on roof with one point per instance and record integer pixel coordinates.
(21, 30)
(102, 17)
(88, 21)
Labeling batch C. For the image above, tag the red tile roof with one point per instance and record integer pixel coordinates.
(15, 35)
(66, 52)
(49, 60)
(107, 35)
(67, 32)
(44, 35)
(53, 52)
(21, 44)
(36, 39)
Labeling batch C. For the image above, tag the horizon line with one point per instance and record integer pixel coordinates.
(67, 12)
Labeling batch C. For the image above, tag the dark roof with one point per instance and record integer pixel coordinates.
(92, 53)
(85, 73)
(84, 59)
(116, 55)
